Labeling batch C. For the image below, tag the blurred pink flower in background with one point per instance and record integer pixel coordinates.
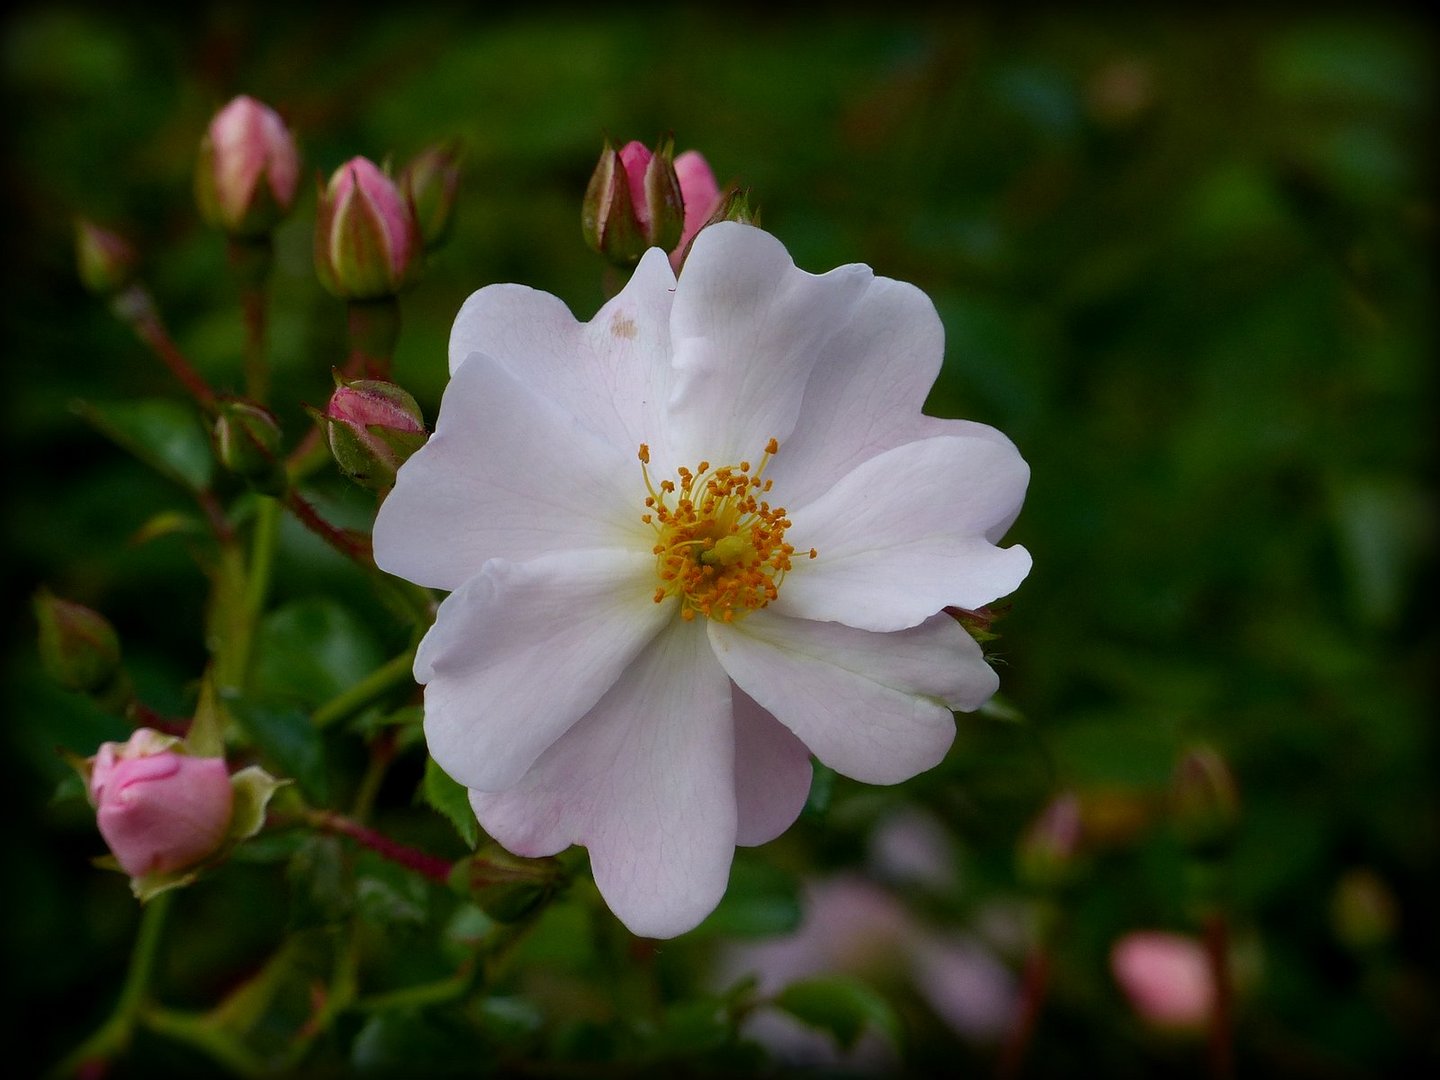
(1166, 977)
(853, 926)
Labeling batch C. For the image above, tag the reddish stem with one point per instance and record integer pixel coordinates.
(1221, 1032)
(136, 308)
(1035, 987)
(347, 542)
(257, 375)
(428, 866)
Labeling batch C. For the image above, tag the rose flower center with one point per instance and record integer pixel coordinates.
(719, 545)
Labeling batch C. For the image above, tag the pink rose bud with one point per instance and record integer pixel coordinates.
(106, 260)
(373, 427)
(249, 169)
(700, 195)
(431, 181)
(367, 239)
(159, 810)
(1166, 977)
(633, 202)
(78, 646)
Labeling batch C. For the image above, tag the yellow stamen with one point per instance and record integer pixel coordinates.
(720, 549)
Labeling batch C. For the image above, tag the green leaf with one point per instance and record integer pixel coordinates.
(165, 435)
(842, 1005)
(449, 797)
(407, 1042)
(287, 738)
(389, 896)
(310, 650)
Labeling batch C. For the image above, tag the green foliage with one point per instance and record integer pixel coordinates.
(843, 1006)
(1183, 260)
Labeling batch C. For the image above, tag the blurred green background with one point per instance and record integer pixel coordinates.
(1185, 261)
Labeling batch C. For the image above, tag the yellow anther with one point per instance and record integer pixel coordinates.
(719, 549)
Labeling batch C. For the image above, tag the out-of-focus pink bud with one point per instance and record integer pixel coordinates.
(431, 181)
(373, 428)
(1166, 977)
(633, 202)
(78, 646)
(1363, 910)
(249, 169)
(106, 261)
(1049, 848)
(158, 809)
(367, 240)
(1205, 800)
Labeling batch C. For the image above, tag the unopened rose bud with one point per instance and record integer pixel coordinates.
(373, 427)
(78, 646)
(247, 443)
(633, 202)
(1166, 977)
(431, 181)
(1204, 800)
(106, 261)
(249, 169)
(1051, 846)
(367, 241)
(159, 809)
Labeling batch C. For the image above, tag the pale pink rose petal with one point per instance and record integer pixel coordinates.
(646, 782)
(747, 328)
(522, 650)
(507, 474)
(613, 373)
(866, 390)
(874, 707)
(772, 773)
(903, 536)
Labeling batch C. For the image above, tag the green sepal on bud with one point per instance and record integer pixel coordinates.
(79, 648)
(106, 261)
(733, 204)
(1048, 855)
(251, 789)
(633, 202)
(246, 438)
(505, 886)
(1204, 801)
(372, 427)
(431, 181)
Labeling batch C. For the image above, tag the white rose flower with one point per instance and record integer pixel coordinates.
(690, 543)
